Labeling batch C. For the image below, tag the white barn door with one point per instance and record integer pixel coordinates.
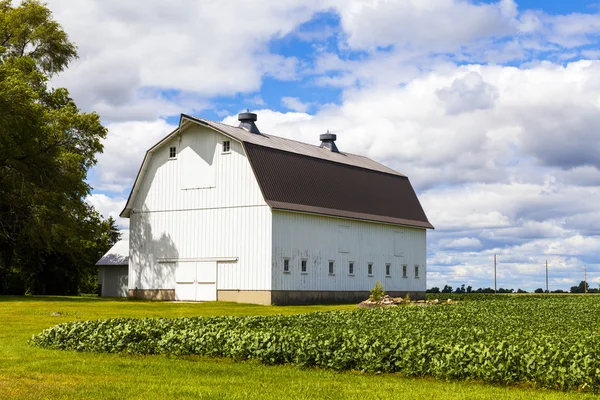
(196, 280)
(206, 281)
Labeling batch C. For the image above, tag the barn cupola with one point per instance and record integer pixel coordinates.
(247, 122)
(328, 141)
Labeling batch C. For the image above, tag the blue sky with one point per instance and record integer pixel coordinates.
(490, 107)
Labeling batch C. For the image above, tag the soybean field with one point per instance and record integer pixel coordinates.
(544, 341)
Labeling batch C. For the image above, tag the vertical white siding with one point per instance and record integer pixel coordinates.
(113, 279)
(319, 239)
(229, 219)
(234, 182)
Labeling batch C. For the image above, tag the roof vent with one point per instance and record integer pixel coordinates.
(328, 141)
(247, 122)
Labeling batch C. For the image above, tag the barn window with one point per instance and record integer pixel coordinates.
(286, 265)
(404, 271)
(226, 146)
(330, 267)
(370, 269)
(416, 271)
(388, 271)
(303, 266)
(172, 152)
(351, 268)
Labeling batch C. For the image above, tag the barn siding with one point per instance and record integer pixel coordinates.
(229, 219)
(113, 279)
(235, 184)
(319, 239)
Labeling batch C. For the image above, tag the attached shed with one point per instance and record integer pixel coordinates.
(113, 271)
(228, 213)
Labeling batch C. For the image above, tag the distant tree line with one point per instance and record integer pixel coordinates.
(469, 289)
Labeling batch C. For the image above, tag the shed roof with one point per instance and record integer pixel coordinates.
(117, 255)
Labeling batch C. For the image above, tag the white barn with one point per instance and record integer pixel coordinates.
(228, 213)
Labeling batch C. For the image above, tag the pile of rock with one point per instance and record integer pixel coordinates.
(382, 302)
(388, 301)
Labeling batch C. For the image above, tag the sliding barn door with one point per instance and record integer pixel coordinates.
(196, 281)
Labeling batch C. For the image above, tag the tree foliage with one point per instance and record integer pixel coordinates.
(583, 287)
(29, 31)
(377, 291)
(49, 235)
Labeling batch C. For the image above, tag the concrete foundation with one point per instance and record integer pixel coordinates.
(152, 294)
(245, 296)
(331, 297)
(278, 297)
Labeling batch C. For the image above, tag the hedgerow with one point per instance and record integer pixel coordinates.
(548, 342)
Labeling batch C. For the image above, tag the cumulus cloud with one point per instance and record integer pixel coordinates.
(468, 93)
(463, 243)
(433, 25)
(124, 150)
(195, 47)
(294, 104)
(109, 207)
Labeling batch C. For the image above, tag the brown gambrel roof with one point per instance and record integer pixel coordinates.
(295, 182)
(300, 177)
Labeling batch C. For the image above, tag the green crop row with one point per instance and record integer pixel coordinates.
(548, 342)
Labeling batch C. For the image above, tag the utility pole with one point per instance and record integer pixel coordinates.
(584, 279)
(547, 291)
(494, 273)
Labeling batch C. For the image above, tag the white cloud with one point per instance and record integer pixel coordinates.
(462, 243)
(109, 207)
(468, 93)
(124, 150)
(574, 245)
(435, 25)
(206, 48)
(294, 104)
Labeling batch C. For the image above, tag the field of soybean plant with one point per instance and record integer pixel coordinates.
(548, 342)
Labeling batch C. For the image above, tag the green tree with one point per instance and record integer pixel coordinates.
(47, 145)
(581, 288)
(377, 292)
(29, 31)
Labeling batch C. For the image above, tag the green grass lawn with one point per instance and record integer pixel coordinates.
(31, 372)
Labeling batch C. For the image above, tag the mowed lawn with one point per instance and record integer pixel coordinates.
(33, 373)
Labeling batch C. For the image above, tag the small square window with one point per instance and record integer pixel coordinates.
(172, 152)
(226, 146)
(303, 266)
(416, 271)
(388, 269)
(330, 267)
(286, 265)
(370, 269)
(404, 271)
(351, 268)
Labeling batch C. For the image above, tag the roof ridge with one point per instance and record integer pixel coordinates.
(298, 141)
(326, 160)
